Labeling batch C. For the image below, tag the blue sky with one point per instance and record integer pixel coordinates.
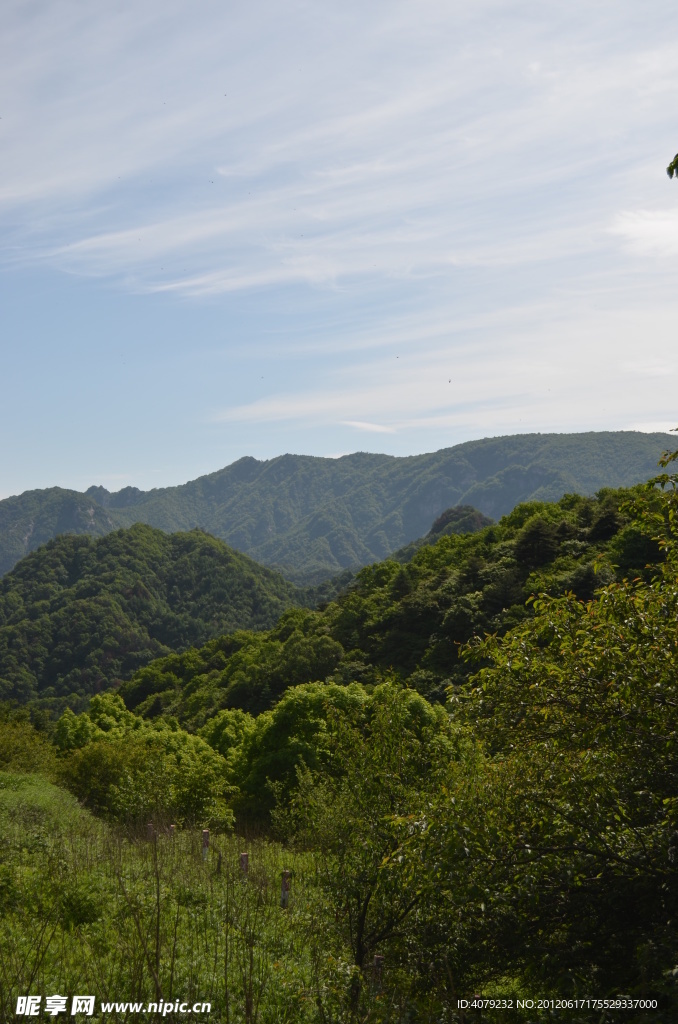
(254, 228)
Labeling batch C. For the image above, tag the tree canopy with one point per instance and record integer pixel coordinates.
(410, 618)
(79, 615)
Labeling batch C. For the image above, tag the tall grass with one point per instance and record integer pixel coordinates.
(88, 910)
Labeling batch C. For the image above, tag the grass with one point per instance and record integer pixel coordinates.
(87, 910)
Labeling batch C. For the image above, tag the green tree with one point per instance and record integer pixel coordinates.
(575, 854)
(296, 734)
(358, 812)
(137, 771)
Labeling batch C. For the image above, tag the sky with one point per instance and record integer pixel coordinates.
(250, 228)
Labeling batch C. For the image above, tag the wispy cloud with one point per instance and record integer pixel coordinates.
(371, 428)
(365, 146)
(395, 220)
(648, 232)
(456, 382)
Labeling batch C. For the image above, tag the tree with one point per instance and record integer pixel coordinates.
(359, 809)
(136, 771)
(576, 844)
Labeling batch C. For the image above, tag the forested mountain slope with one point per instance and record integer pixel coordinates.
(80, 615)
(313, 517)
(409, 619)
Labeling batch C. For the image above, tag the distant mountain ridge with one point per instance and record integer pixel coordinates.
(312, 517)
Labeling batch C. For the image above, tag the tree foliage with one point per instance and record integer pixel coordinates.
(574, 852)
(407, 618)
(360, 806)
(136, 772)
(80, 615)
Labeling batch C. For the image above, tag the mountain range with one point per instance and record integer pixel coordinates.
(311, 518)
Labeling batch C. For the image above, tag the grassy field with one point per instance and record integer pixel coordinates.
(89, 911)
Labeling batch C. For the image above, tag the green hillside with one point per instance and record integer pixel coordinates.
(311, 518)
(80, 614)
(517, 841)
(407, 619)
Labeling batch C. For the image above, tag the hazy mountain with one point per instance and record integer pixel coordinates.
(313, 517)
(34, 517)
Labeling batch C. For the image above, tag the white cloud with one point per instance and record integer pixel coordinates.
(649, 368)
(654, 426)
(648, 232)
(374, 428)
